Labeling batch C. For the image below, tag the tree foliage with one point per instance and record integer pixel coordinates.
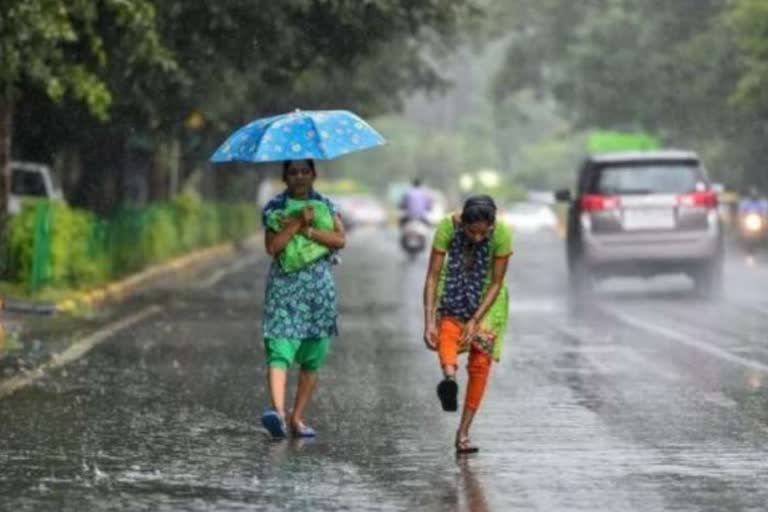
(749, 20)
(220, 63)
(439, 157)
(63, 47)
(692, 71)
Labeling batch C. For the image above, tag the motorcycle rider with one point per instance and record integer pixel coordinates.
(754, 202)
(753, 220)
(416, 203)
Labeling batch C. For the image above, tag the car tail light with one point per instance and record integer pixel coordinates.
(596, 202)
(698, 199)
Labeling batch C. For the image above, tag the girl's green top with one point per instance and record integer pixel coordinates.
(495, 319)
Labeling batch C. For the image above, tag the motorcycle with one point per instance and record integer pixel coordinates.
(753, 229)
(414, 235)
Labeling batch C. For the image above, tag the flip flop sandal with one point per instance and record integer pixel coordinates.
(303, 431)
(465, 447)
(447, 392)
(274, 424)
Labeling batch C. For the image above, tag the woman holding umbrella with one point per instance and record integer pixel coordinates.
(300, 304)
(466, 303)
(302, 233)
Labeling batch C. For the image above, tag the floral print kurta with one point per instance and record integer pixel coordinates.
(301, 304)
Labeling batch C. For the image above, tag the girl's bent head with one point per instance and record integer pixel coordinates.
(478, 217)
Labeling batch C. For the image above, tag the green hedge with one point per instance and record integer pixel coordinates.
(51, 244)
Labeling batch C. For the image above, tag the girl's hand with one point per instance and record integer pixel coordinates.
(431, 336)
(470, 330)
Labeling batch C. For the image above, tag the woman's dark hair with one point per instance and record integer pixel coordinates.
(287, 163)
(480, 208)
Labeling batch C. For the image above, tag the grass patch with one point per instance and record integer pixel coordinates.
(20, 291)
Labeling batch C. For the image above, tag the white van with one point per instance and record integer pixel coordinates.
(31, 180)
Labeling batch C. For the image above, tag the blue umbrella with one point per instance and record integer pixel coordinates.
(318, 134)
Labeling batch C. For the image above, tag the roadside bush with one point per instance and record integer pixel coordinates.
(21, 244)
(188, 206)
(209, 225)
(76, 248)
(73, 262)
(92, 263)
(123, 241)
(237, 220)
(159, 238)
(68, 261)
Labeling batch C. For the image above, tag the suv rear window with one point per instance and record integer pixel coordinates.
(647, 178)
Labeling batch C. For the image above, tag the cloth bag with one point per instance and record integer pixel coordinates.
(300, 250)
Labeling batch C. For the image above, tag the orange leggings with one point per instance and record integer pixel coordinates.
(478, 366)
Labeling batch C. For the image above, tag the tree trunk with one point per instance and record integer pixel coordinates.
(174, 170)
(68, 164)
(6, 133)
(163, 180)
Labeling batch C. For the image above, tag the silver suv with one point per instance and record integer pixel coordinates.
(642, 214)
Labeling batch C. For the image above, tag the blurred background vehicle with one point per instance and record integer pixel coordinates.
(32, 180)
(414, 237)
(439, 207)
(644, 213)
(752, 229)
(529, 217)
(358, 210)
(753, 220)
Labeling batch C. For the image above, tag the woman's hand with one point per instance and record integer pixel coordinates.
(470, 330)
(431, 336)
(307, 215)
(291, 222)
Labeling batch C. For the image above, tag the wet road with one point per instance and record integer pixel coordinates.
(645, 399)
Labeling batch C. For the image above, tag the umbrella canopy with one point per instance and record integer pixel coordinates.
(315, 134)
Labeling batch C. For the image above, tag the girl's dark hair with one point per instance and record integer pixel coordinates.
(480, 208)
(287, 163)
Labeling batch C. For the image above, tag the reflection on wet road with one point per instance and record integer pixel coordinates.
(643, 398)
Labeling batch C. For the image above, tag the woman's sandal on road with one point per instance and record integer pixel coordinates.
(447, 392)
(465, 447)
(274, 424)
(301, 430)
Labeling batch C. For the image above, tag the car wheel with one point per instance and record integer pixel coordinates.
(581, 277)
(709, 279)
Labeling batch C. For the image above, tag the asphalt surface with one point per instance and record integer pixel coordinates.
(643, 398)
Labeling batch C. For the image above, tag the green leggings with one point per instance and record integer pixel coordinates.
(309, 353)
